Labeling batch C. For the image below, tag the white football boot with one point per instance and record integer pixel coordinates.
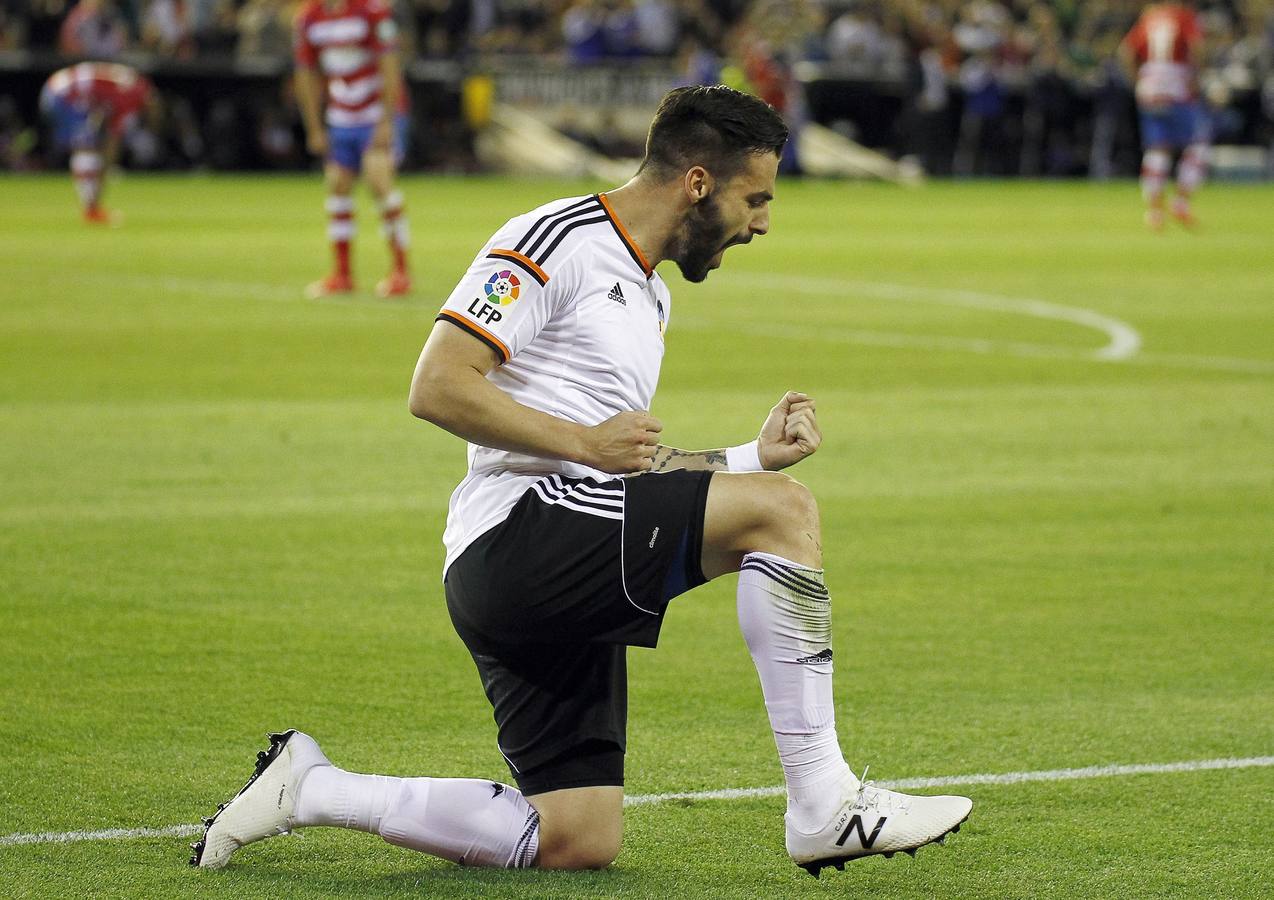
(263, 807)
(870, 821)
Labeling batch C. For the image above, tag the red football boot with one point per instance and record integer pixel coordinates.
(332, 285)
(395, 284)
(98, 216)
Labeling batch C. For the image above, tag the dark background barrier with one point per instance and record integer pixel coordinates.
(963, 87)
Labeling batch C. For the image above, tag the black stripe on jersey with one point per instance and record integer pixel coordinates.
(567, 230)
(623, 240)
(526, 237)
(575, 502)
(587, 491)
(476, 332)
(521, 265)
(590, 503)
(532, 250)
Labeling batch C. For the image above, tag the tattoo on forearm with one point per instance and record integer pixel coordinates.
(668, 459)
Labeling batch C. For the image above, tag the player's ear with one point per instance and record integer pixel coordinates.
(697, 184)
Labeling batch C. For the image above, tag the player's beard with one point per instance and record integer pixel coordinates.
(702, 237)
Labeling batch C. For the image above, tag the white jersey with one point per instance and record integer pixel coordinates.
(577, 317)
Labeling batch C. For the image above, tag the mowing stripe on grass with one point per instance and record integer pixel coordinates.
(1113, 771)
(1124, 343)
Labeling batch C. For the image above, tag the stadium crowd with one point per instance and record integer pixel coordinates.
(971, 86)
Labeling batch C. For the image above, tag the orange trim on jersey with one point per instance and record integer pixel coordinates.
(525, 261)
(479, 332)
(623, 233)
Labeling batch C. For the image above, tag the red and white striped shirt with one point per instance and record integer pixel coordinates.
(345, 42)
(1163, 43)
(118, 93)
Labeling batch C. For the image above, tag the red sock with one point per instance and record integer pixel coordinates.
(340, 250)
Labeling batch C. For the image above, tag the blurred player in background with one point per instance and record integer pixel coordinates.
(352, 46)
(89, 107)
(1162, 51)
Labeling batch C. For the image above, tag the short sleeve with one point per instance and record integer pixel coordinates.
(1193, 30)
(383, 36)
(504, 300)
(302, 50)
(1134, 38)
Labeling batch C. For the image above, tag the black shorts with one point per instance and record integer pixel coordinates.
(548, 601)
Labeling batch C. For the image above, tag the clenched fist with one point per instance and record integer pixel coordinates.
(790, 432)
(622, 444)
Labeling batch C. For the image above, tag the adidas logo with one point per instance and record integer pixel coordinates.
(821, 657)
(617, 294)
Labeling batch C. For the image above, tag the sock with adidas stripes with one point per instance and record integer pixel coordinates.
(785, 616)
(465, 820)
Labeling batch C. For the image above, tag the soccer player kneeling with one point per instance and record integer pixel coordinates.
(575, 527)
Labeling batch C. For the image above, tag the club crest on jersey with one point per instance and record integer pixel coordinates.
(659, 307)
(502, 287)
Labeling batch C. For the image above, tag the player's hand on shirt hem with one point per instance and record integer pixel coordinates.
(790, 432)
(623, 444)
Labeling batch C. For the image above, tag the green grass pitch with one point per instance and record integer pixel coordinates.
(217, 518)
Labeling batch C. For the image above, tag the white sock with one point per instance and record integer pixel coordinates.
(1192, 169)
(394, 221)
(467, 821)
(86, 169)
(1154, 174)
(785, 614)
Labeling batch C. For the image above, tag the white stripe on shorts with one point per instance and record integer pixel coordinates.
(605, 503)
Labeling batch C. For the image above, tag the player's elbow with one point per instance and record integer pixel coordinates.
(423, 401)
(432, 398)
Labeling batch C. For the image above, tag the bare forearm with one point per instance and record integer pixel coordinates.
(471, 407)
(391, 79)
(307, 98)
(668, 459)
(110, 150)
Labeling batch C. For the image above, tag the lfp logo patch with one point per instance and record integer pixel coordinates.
(502, 287)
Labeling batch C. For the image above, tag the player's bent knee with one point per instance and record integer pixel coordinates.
(783, 505)
(763, 511)
(580, 828)
(798, 503)
(578, 849)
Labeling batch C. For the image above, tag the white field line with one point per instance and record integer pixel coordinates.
(943, 781)
(939, 781)
(903, 341)
(1122, 340)
(110, 834)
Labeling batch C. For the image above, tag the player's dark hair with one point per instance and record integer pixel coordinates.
(711, 126)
